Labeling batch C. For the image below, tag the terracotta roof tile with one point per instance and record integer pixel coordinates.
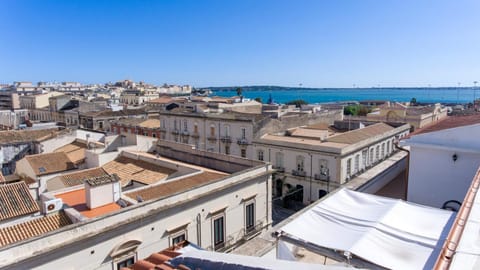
(32, 228)
(50, 163)
(18, 136)
(77, 178)
(450, 122)
(129, 169)
(161, 259)
(162, 100)
(75, 151)
(101, 180)
(151, 123)
(361, 134)
(176, 186)
(15, 200)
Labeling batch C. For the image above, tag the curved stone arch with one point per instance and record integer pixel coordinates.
(125, 247)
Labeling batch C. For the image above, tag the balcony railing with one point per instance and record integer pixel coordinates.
(175, 131)
(162, 129)
(279, 169)
(185, 133)
(299, 173)
(212, 138)
(242, 141)
(195, 135)
(226, 139)
(322, 177)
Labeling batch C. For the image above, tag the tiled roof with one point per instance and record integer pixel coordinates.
(129, 169)
(32, 228)
(18, 136)
(77, 200)
(2, 179)
(176, 186)
(450, 122)
(50, 163)
(75, 151)
(106, 113)
(130, 121)
(77, 178)
(151, 123)
(15, 200)
(101, 180)
(160, 260)
(360, 134)
(162, 100)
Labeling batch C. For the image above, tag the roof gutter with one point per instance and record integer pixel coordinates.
(454, 236)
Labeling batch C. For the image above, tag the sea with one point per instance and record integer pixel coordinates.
(328, 95)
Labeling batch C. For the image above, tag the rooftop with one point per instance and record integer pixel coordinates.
(450, 122)
(129, 169)
(74, 178)
(15, 200)
(176, 186)
(75, 151)
(77, 200)
(360, 134)
(48, 163)
(101, 180)
(19, 136)
(33, 228)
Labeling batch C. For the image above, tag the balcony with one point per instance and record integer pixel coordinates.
(195, 135)
(162, 129)
(242, 141)
(212, 138)
(279, 169)
(299, 173)
(185, 133)
(175, 132)
(226, 139)
(253, 231)
(322, 177)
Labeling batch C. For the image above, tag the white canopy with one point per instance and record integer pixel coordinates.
(201, 259)
(388, 232)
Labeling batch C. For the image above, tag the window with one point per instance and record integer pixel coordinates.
(349, 167)
(243, 133)
(357, 163)
(371, 155)
(126, 262)
(279, 160)
(388, 147)
(185, 125)
(364, 158)
(163, 124)
(227, 130)
(212, 131)
(324, 167)
(219, 232)
(377, 152)
(178, 237)
(243, 152)
(249, 216)
(100, 125)
(260, 155)
(300, 163)
(195, 128)
(383, 150)
(154, 135)
(175, 124)
(227, 150)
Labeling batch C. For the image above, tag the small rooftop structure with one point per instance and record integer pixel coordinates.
(74, 178)
(77, 199)
(49, 163)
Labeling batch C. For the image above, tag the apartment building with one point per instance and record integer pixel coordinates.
(215, 202)
(313, 160)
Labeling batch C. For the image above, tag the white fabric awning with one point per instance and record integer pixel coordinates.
(388, 232)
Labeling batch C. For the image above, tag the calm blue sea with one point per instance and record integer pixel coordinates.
(428, 95)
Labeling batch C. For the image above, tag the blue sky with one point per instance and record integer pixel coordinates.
(249, 42)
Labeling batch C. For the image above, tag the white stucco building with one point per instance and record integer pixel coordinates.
(443, 160)
(317, 159)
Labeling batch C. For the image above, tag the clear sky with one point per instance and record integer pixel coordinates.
(247, 42)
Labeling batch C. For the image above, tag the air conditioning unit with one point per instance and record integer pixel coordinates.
(51, 206)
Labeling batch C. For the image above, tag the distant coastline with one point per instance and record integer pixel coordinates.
(281, 94)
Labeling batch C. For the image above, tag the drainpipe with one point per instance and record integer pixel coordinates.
(199, 230)
(407, 169)
(311, 171)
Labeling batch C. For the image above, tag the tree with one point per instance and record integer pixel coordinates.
(297, 102)
(258, 99)
(413, 101)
